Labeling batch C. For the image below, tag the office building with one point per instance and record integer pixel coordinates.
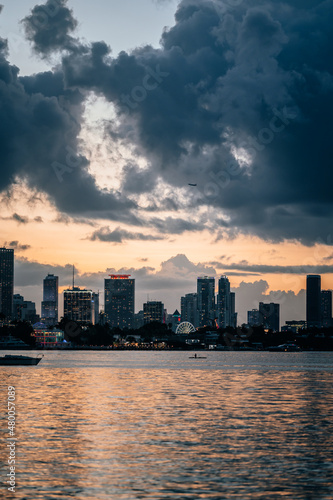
(24, 310)
(17, 306)
(79, 305)
(253, 318)
(326, 308)
(189, 308)
(206, 300)
(153, 311)
(223, 303)
(50, 300)
(6, 282)
(313, 300)
(119, 299)
(233, 314)
(269, 316)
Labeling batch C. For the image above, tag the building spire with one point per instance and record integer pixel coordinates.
(73, 276)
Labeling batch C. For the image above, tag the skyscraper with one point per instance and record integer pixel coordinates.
(79, 305)
(253, 317)
(326, 308)
(224, 303)
(189, 308)
(6, 282)
(50, 300)
(153, 311)
(313, 300)
(119, 295)
(269, 316)
(233, 314)
(206, 300)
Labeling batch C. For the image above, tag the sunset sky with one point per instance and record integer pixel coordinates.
(110, 109)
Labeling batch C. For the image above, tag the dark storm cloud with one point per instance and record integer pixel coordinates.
(119, 235)
(136, 180)
(254, 77)
(48, 27)
(40, 125)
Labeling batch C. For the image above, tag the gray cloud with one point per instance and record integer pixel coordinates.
(41, 122)
(172, 225)
(274, 269)
(21, 219)
(234, 72)
(248, 296)
(16, 245)
(256, 78)
(119, 235)
(48, 27)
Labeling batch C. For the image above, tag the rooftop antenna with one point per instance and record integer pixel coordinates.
(73, 276)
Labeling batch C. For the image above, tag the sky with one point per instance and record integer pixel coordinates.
(110, 110)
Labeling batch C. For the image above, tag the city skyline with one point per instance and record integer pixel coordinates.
(167, 175)
(214, 303)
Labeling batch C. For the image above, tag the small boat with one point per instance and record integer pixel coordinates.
(12, 360)
(285, 348)
(197, 357)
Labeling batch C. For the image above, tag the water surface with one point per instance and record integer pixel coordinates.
(134, 425)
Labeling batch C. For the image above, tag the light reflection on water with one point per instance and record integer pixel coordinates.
(143, 425)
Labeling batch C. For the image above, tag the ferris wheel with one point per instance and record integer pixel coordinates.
(185, 328)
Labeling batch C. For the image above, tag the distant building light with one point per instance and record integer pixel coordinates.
(119, 276)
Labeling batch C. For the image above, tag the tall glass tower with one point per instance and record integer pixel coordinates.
(119, 294)
(224, 303)
(206, 300)
(313, 300)
(6, 282)
(50, 300)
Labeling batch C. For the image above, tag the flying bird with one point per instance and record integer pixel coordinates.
(191, 184)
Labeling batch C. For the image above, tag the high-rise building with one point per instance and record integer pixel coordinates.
(6, 282)
(189, 308)
(253, 318)
(24, 310)
(269, 316)
(95, 300)
(313, 300)
(119, 294)
(326, 308)
(17, 306)
(233, 314)
(153, 311)
(223, 303)
(79, 305)
(206, 300)
(50, 300)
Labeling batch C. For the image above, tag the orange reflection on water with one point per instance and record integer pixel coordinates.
(200, 433)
